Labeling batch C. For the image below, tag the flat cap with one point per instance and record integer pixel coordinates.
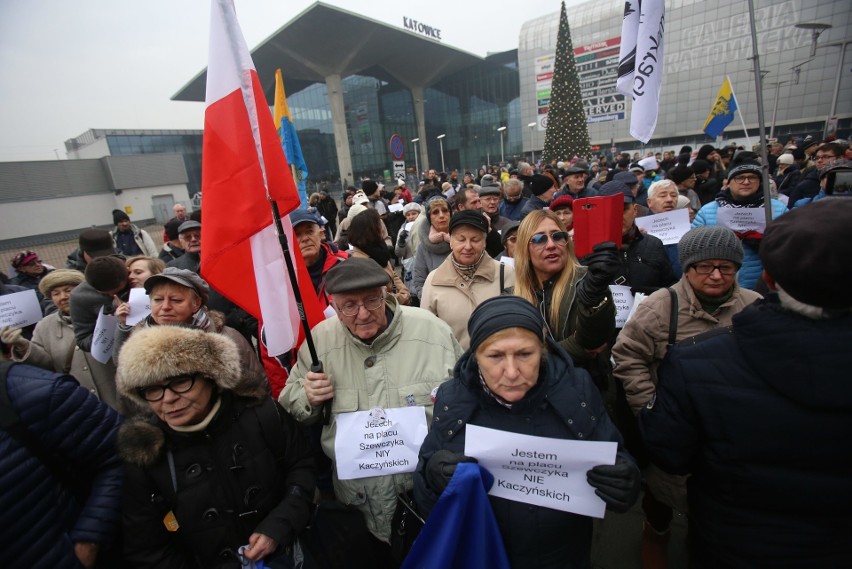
(469, 217)
(183, 277)
(355, 274)
(187, 225)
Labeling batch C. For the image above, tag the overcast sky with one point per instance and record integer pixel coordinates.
(67, 66)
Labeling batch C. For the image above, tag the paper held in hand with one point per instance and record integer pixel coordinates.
(668, 226)
(19, 309)
(103, 339)
(378, 442)
(622, 296)
(541, 471)
(742, 219)
(140, 306)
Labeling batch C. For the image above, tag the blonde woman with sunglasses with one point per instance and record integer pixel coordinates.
(573, 299)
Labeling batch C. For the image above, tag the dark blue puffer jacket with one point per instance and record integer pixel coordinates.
(39, 519)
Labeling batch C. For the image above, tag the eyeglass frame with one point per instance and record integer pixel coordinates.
(357, 305)
(742, 178)
(715, 268)
(193, 377)
(536, 241)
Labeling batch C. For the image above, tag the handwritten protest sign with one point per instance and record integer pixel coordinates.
(103, 340)
(379, 442)
(140, 306)
(541, 471)
(742, 218)
(623, 299)
(19, 309)
(668, 226)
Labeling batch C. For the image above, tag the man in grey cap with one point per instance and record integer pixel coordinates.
(489, 196)
(574, 184)
(375, 354)
(705, 298)
(189, 233)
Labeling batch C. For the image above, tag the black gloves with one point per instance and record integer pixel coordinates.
(604, 266)
(618, 485)
(400, 242)
(441, 467)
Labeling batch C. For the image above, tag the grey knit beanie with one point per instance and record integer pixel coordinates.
(709, 242)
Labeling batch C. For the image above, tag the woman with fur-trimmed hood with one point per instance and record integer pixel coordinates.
(215, 465)
(178, 297)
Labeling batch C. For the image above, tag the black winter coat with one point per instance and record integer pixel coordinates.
(645, 265)
(762, 419)
(249, 471)
(40, 519)
(564, 404)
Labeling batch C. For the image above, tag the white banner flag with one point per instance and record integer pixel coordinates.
(642, 44)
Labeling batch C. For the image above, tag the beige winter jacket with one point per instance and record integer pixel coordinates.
(452, 298)
(404, 364)
(641, 345)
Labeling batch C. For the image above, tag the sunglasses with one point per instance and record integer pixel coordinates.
(558, 237)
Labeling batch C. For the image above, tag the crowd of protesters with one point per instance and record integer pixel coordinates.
(459, 293)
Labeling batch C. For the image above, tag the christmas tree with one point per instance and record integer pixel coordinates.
(567, 134)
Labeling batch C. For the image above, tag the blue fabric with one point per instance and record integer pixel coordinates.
(752, 268)
(39, 519)
(461, 531)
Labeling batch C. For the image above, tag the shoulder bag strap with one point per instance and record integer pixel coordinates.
(502, 281)
(673, 317)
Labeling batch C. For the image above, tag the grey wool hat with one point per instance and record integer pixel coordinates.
(355, 274)
(154, 354)
(709, 242)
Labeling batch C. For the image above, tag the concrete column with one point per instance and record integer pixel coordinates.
(338, 120)
(420, 119)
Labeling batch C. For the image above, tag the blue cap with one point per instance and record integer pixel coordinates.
(614, 187)
(301, 216)
(626, 177)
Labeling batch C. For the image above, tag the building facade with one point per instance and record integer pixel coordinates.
(705, 41)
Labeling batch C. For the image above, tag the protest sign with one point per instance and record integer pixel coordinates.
(140, 306)
(541, 471)
(623, 299)
(742, 219)
(379, 442)
(19, 309)
(668, 226)
(395, 207)
(103, 340)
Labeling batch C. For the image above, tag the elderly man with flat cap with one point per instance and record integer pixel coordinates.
(760, 414)
(376, 356)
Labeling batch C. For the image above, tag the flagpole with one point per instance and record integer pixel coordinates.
(739, 108)
(758, 85)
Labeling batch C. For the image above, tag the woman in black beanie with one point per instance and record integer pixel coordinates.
(515, 378)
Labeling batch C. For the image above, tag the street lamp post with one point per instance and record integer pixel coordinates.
(416, 163)
(441, 142)
(816, 29)
(501, 130)
(775, 107)
(532, 144)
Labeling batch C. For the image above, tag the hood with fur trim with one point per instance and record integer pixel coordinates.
(153, 354)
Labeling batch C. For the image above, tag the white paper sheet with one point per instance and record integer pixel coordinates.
(541, 471)
(637, 300)
(19, 309)
(623, 298)
(507, 261)
(394, 207)
(742, 218)
(668, 226)
(140, 306)
(379, 442)
(103, 340)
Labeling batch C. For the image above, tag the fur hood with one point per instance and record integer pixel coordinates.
(140, 442)
(152, 354)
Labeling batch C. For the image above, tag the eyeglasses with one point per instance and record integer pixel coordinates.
(745, 178)
(178, 384)
(708, 268)
(512, 238)
(540, 239)
(821, 157)
(353, 308)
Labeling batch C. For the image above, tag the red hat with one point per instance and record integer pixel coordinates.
(562, 202)
(23, 258)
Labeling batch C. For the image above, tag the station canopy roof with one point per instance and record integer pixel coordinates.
(325, 40)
